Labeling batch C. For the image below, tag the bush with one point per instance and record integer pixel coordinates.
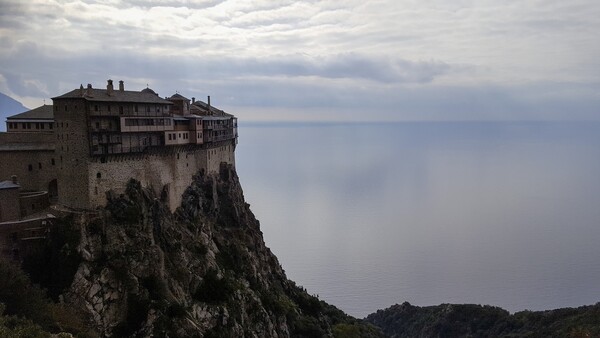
(307, 327)
(20, 297)
(14, 327)
(214, 289)
(137, 314)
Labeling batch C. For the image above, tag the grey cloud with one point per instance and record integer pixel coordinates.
(351, 85)
(123, 61)
(525, 102)
(191, 4)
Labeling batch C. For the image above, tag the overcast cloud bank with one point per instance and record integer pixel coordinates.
(317, 60)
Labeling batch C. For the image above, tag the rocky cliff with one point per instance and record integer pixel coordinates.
(136, 269)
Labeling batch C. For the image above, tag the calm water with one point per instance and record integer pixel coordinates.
(367, 216)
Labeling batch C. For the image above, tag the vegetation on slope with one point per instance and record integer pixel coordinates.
(467, 320)
(26, 311)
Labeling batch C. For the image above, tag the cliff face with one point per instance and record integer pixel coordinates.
(203, 271)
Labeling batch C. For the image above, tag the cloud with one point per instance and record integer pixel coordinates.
(399, 58)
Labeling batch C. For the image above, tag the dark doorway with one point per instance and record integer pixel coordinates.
(53, 191)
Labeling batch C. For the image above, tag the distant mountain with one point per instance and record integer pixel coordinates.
(9, 107)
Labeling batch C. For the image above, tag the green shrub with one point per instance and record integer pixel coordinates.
(20, 297)
(307, 327)
(214, 289)
(346, 331)
(137, 314)
(15, 327)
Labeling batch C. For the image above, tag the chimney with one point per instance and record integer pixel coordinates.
(193, 100)
(89, 90)
(13, 178)
(81, 90)
(209, 104)
(121, 86)
(109, 87)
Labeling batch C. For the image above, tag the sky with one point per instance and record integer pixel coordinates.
(314, 60)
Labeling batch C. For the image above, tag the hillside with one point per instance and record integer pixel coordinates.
(136, 270)
(467, 320)
(9, 107)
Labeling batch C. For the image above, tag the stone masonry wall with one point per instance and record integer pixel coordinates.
(72, 148)
(172, 168)
(34, 169)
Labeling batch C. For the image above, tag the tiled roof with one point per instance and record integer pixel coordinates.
(8, 185)
(116, 96)
(203, 107)
(39, 113)
(177, 96)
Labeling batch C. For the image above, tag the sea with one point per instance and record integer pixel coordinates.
(367, 215)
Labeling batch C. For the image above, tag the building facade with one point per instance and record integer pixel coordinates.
(95, 140)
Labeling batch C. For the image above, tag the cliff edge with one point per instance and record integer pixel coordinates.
(137, 270)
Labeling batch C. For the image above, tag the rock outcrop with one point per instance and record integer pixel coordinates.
(203, 271)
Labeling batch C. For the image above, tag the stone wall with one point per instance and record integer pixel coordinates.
(35, 169)
(170, 168)
(33, 202)
(9, 205)
(46, 139)
(72, 149)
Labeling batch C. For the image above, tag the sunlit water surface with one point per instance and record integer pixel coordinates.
(367, 216)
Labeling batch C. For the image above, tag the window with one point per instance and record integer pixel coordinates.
(37, 125)
(97, 125)
(40, 165)
(95, 107)
(42, 125)
(121, 110)
(179, 135)
(98, 175)
(50, 125)
(24, 125)
(169, 136)
(135, 108)
(30, 167)
(53, 162)
(109, 108)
